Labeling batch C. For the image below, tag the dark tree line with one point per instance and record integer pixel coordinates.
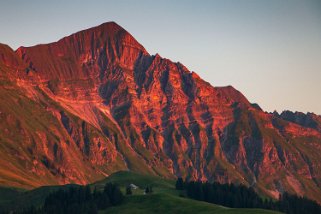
(241, 196)
(295, 205)
(78, 200)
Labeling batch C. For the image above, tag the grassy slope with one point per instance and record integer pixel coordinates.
(164, 199)
(123, 178)
(166, 203)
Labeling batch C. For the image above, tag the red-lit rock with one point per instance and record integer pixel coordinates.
(109, 105)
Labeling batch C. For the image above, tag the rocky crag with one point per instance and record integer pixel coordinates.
(96, 102)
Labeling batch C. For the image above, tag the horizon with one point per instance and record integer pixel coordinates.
(279, 69)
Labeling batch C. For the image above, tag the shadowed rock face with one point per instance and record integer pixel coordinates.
(309, 120)
(96, 102)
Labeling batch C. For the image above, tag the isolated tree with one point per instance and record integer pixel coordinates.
(129, 190)
(148, 189)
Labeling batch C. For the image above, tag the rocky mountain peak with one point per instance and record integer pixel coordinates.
(8, 56)
(77, 55)
(96, 102)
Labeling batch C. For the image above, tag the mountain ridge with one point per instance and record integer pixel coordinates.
(106, 104)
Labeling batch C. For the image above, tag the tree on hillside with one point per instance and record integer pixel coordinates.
(148, 189)
(179, 184)
(240, 196)
(129, 190)
(114, 193)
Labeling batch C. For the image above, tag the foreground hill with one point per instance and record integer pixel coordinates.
(96, 102)
(164, 199)
(164, 203)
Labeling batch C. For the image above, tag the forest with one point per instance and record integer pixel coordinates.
(240, 196)
(77, 200)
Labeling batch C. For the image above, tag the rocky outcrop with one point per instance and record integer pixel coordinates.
(106, 104)
(309, 120)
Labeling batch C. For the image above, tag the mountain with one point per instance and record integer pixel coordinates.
(96, 102)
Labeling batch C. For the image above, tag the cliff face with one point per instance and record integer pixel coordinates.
(96, 102)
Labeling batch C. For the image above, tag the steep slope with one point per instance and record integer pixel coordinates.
(42, 143)
(105, 104)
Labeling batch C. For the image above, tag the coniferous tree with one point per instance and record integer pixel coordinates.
(199, 195)
(179, 184)
(241, 196)
(80, 200)
(129, 190)
(147, 190)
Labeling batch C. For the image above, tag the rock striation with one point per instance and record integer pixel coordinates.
(96, 102)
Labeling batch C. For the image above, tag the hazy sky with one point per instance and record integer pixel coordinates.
(269, 50)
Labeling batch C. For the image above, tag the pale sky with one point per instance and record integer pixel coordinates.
(269, 50)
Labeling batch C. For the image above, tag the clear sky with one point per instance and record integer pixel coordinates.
(269, 50)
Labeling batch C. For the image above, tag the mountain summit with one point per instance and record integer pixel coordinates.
(100, 46)
(96, 102)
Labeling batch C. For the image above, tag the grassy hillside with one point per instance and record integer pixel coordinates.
(123, 178)
(167, 203)
(164, 199)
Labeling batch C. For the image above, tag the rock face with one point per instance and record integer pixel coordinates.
(309, 120)
(96, 102)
